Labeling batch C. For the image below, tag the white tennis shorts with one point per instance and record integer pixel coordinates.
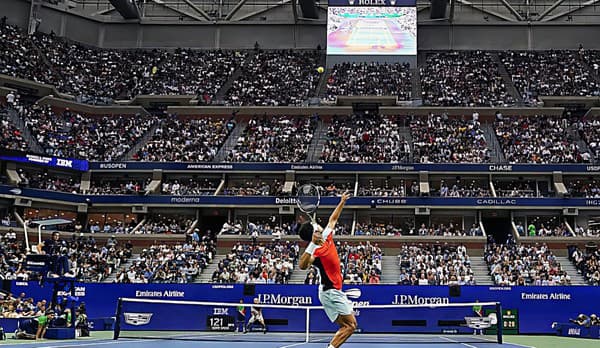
(335, 303)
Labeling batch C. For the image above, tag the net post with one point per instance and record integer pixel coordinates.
(500, 322)
(307, 338)
(117, 330)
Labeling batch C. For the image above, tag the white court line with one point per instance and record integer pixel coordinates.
(98, 343)
(504, 340)
(294, 345)
(301, 343)
(455, 341)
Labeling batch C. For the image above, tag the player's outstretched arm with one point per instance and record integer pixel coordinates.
(338, 211)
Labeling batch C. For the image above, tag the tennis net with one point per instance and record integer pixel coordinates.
(229, 322)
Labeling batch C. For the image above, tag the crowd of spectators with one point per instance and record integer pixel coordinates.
(163, 263)
(370, 79)
(257, 187)
(590, 231)
(461, 188)
(70, 134)
(441, 140)
(589, 130)
(386, 188)
(193, 140)
(540, 139)
(12, 257)
(165, 224)
(7, 219)
(118, 186)
(92, 262)
(435, 264)
(520, 188)
(312, 276)
(469, 78)
(275, 78)
(361, 263)
(274, 139)
(515, 265)
(329, 188)
(18, 56)
(550, 73)
(376, 229)
(549, 227)
(21, 306)
(438, 229)
(592, 58)
(87, 260)
(365, 139)
(267, 226)
(44, 180)
(111, 226)
(189, 187)
(587, 263)
(10, 137)
(271, 263)
(101, 75)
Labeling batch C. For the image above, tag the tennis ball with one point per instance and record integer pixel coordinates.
(320, 70)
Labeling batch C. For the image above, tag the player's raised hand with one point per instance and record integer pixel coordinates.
(346, 195)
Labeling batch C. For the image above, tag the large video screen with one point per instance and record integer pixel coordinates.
(372, 30)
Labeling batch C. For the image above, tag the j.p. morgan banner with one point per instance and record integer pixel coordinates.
(537, 307)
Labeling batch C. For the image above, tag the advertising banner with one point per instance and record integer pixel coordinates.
(532, 309)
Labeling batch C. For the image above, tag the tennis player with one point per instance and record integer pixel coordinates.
(321, 253)
(256, 317)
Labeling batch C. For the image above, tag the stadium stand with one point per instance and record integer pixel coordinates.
(463, 79)
(44, 180)
(551, 73)
(99, 76)
(587, 263)
(442, 140)
(539, 139)
(384, 188)
(361, 262)
(460, 188)
(276, 78)
(271, 263)
(524, 265)
(189, 187)
(262, 187)
(435, 264)
(162, 223)
(365, 139)
(10, 137)
(19, 58)
(356, 79)
(589, 130)
(195, 140)
(276, 139)
(70, 134)
(115, 186)
(162, 263)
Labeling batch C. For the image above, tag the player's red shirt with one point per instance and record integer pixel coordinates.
(327, 262)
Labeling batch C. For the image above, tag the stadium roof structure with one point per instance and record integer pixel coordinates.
(211, 11)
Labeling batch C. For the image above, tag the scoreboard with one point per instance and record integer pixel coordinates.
(372, 27)
(510, 322)
(220, 323)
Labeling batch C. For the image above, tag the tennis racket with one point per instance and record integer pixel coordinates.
(308, 199)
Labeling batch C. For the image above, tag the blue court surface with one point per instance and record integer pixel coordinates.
(276, 340)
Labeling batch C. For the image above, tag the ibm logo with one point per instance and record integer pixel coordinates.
(220, 311)
(64, 163)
